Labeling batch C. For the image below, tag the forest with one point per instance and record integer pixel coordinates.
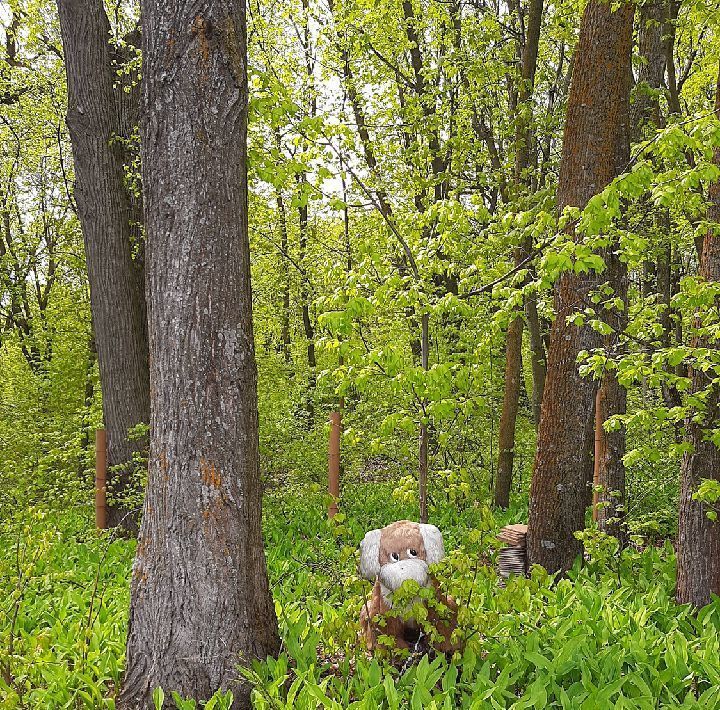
(359, 354)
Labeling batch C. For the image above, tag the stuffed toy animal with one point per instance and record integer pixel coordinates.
(388, 557)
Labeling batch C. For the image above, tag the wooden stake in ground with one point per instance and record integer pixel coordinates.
(334, 462)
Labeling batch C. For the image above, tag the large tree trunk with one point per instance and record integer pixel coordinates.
(698, 546)
(106, 215)
(200, 597)
(595, 150)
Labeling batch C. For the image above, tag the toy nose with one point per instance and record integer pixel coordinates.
(394, 574)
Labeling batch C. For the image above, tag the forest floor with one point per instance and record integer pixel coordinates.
(608, 636)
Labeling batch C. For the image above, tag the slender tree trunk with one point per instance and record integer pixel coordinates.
(285, 280)
(538, 358)
(611, 401)
(528, 67)
(306, 317)
(310, 101)
(106, 214)
(656, 45)
(506, 432)
(513, 346)
(698, 545)
(200, 601)
(670, 35)
(522, 163)
(128, 96)
(423, 438)
(595, 150)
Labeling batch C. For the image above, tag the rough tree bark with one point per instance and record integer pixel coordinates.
(698, 545)
(200, 600)
(595, 150)
(653, 16)
(106, 214)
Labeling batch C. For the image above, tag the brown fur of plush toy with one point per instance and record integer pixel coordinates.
(398, 552)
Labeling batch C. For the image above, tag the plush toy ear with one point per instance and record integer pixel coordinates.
(434, 548)
(369, 555)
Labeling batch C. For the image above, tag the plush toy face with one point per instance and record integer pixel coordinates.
(400, 551)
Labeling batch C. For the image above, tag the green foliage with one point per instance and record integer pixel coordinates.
(354, 282)
(708, 492)
(64, 612)
(610, 635)
(219, 701)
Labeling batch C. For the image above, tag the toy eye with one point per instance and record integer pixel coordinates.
(412, 552)
(394, 556)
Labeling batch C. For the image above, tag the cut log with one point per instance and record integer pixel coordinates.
(512, 560)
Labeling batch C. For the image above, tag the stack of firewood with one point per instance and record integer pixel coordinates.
(512, 560)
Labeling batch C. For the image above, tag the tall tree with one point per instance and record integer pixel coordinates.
(698, 545)
(200, 596)
(611, 400)
(96, 118)
(310, 109)
(524, 138)
(528, 51)
(595, 150)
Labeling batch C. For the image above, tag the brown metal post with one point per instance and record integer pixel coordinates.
(334, 462)
(100, 479)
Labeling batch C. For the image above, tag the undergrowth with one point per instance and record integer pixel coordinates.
(608, 636)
